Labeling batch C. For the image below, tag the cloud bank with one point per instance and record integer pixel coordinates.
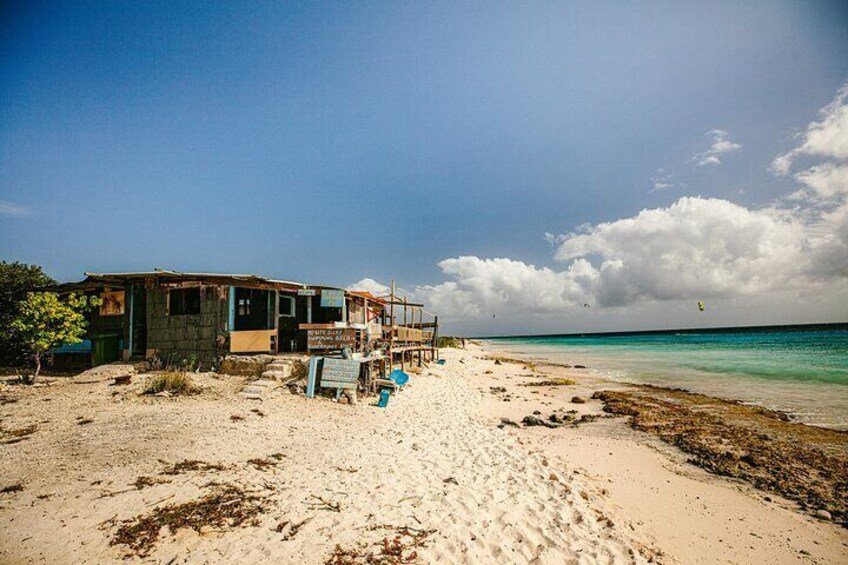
(695, 248)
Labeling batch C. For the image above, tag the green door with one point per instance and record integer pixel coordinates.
(104, 349)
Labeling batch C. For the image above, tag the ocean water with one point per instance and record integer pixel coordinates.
(801, 370)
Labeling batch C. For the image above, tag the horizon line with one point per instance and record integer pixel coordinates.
(714, 329)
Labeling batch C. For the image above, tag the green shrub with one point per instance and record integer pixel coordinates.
(448, 341)
(171, 382)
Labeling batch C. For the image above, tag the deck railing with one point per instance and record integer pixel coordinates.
(406, 334)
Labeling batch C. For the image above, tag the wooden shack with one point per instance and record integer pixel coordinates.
(193, 319)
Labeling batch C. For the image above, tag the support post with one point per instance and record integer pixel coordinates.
(392, 329)
(435, 337)
(131, 324)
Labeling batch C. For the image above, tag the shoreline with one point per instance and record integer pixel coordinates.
(728, 437)
(716, 329)
(818, 403)
(437, 467)
(654, 447)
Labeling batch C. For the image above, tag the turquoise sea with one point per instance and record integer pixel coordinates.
(802, 370)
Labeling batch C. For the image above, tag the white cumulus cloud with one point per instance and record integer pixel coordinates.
(485, 287)
(695, 248)
(370, 285)
(826, 138)
(721, 145)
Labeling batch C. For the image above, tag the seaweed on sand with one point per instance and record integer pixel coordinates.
(261, 464)
(9, 436)
(397, 550)
(189, 465)
(144, 482)
(500, 360)
(551, 382)
(227, 507)
(803, 463)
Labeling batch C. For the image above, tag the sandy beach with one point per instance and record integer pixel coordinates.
(439, 476)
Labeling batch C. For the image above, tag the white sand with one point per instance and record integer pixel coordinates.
(521, 495)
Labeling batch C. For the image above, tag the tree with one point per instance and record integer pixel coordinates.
(16, 280)
(44, 322)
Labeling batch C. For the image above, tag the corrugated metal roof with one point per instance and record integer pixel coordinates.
(179, 274)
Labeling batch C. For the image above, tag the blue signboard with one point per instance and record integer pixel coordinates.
(332, 298)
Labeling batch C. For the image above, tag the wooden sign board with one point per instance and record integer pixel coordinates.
(330, 338)
(112, 303)
(340, 373)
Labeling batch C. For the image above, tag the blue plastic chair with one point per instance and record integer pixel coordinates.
(399, 377)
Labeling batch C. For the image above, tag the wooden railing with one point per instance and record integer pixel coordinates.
(405, 334)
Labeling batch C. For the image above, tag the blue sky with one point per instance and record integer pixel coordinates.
(331, 142)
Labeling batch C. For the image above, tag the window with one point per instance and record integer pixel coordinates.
(244, 307)
(183, 301)
(287, 306)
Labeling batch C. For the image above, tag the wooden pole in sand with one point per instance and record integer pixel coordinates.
(435, 336)
(392, 328)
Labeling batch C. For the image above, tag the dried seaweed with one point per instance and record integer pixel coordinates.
(551, 382)
(320, 504)
(262, 464)
(143, 482)
(17, 434)
(500, 360)
(189, 465)
(294, 528)
(800, 462)
(227, 507)
(400, 549)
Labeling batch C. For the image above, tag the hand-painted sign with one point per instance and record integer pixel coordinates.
(330, 338)
(340, 373)
(332, 298)
(306, 292)
(112, 303)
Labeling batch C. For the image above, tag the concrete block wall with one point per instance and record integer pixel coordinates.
(178, 338)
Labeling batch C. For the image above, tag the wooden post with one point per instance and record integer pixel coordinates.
(365, 315)
(392, 328)
(435, 337)
(276, 315)
(403, 353)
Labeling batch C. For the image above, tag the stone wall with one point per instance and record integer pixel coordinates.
(190, 337)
